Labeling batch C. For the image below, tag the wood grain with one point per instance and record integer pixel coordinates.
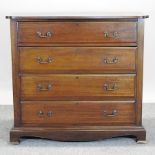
(78, 113)
(78, 59)
(78, 133)
(78, 87)
(139, 80)
(15, 72)
(77, 78)
(77, 32)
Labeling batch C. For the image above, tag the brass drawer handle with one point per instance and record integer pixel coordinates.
(110, 87)
(112, 114)
(41, 61)
(49, 113)
(46, 35)
(40, 113)
(113, 61)
(42, 87)
(111, 35)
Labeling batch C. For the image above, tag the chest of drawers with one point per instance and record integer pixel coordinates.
(77, 78)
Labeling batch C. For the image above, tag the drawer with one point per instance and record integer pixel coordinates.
(77, 59)
(78, 112)
(77, 32)
(76, 87)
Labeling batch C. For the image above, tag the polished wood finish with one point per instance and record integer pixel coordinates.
(76, 87)
(15, 72)
(75, 133)
(78, 113)
(78, 60)
(106, 16)
(77, 78)
(140, 71)
(77, 32)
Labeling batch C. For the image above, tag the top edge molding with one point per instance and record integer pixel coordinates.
(29, 18)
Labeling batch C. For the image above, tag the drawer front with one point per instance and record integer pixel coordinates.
(77, 32)
(74, 112)
(77, 59)
(76, 87)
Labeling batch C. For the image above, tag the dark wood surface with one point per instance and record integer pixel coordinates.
(139, 80)
(15, 73)
(78, 133)
(78, 113)
(108, 16)
(77, 59)
(77, 32)
(76, 75)
(76, 87)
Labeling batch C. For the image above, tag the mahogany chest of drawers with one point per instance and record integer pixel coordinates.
(77, 78)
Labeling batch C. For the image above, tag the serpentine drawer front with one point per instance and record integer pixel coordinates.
(77, 78)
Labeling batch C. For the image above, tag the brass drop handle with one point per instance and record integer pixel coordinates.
(42, 87)
(40, 113)
(111, 35)
(112, 114)
(49, 113)
(40, 60)
(110, 87)
(112, 61)
(46, 35)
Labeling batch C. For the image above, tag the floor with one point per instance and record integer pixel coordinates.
(115, 146)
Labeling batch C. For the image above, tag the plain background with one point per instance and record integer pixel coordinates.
(78, 7)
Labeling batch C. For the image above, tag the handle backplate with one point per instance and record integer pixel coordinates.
(40, 113)
(49, 113)
(110, 87)
(45, 35)
(111, 114)
(111, 61)
(40, 60)
(44, 87)
(114, 35)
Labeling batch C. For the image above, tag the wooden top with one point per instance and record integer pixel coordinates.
(81, 17)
